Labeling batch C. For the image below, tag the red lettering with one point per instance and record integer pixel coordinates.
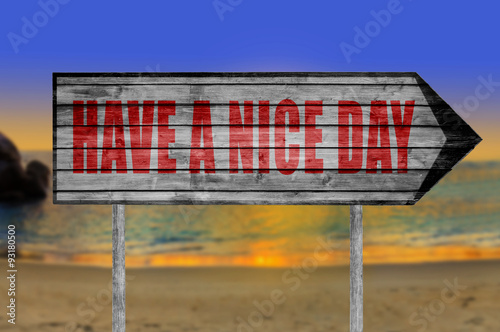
(202, 121)
(141, 134)
(379, 126)
(84, 136)
(350, 144)
(241, 136)
(264, 136)
(284, 107)
(166, 136)
(402, 128)
(113, 122)
(313, 136)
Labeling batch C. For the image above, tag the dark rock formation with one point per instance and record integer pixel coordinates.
(16, 184)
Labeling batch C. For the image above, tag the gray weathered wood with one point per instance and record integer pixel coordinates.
(222, 94)
(118, 268)
(420, 137)
(438, 139)
(422, 115)
(235, 78)
(418, 158)
(235, 197)
(223, 180)
(356, 284)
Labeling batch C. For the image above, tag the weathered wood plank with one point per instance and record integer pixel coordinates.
(422, 115)
(118, 226)
(418, 158)
(420, 137)
(235, 198)
(222, 94)
(272, 181)
(165, 80)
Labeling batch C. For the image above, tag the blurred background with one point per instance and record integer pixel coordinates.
(216, 268)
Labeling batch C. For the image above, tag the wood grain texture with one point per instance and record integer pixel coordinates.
(356, 269)
(302, 197)
(422, 115)
(233, 78)
(420, 137)
(118, 268)
(222, 94)
(272, 181)
(418, 158)
(438, 140)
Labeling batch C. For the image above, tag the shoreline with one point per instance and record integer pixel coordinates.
(144, 262)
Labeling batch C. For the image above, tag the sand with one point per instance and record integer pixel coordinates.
(77, 298)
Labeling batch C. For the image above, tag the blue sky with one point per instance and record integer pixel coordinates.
(449, 43)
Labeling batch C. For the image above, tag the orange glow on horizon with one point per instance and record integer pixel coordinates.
(371, 255)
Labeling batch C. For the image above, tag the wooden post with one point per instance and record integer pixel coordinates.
(356, 286)
(118, 268)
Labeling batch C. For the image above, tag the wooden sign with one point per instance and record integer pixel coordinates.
(251, 138)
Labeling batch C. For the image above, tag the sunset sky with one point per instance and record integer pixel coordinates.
(455, 57)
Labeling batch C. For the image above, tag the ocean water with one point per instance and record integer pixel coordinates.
(458, 220)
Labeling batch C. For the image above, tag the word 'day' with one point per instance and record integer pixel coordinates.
(252, 138)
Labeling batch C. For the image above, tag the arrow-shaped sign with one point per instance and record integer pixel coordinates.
(252, 138)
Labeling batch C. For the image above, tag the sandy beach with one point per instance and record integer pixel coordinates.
(426, 297)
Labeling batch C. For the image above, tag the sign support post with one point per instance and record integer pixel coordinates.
(356, 267)
(118, 268)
